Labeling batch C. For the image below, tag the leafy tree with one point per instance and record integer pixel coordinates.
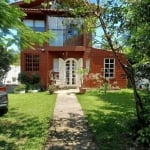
(139, 41)
(115, 20)
(16, 57)
(128, 69)
(11, 19)
(25, 37)
(5, 61)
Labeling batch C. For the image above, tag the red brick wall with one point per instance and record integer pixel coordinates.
(97, 65)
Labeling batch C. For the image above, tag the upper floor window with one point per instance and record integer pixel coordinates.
(36, 25)
(109, 67)
(66, 30)
(32, 62)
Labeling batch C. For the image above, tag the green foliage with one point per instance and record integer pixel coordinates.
(143, 133)
(51, 89)
(139, 30)
(146, 103)
(82, 72)
(26, 124)
(108, 116)
(28, 37)
(126, 25)
(11, 18)
(16, 59)
(6, 59)
(23, 78)
(19, 88)
(31, 82)
(106, 84)
(35, 78)
(144, 136)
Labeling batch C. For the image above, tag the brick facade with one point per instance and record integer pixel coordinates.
(73, 54)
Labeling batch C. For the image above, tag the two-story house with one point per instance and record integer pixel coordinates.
(70, 50)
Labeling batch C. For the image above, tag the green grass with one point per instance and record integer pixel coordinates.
(25, 126)
(108, 116)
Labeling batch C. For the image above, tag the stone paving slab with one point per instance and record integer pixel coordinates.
(68, 130)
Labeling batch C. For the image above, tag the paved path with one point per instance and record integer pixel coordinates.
(68, 129)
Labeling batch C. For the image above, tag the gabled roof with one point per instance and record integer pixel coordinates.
(32, 4)
(45, 6)
(47, 11)
(36, 7)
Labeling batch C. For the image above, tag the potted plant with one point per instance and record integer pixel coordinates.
(51, 88)
(82, 72)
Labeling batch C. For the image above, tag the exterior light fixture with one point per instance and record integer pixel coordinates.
(42, 49)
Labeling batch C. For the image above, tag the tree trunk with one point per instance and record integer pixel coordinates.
(129, 71)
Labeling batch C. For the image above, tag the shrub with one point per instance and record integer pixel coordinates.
(32, 82)
(142, 133)
(35, 79)
(20, 87)
(23, 78)
(51, 88)
(144, 136)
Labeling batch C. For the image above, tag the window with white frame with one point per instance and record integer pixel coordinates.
(88, 64)
(56, 65)
(109, 67)
(37, 25)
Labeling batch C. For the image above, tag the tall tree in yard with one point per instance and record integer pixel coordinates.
(115, 20)
(10, 18)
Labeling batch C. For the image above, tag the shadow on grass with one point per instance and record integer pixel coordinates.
(110, 129)
(108, 117)
(16, 128)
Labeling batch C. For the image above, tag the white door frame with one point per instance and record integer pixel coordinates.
(62, 81)
(70, 72)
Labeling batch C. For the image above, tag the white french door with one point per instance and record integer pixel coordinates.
(70, 72)
(67, 71)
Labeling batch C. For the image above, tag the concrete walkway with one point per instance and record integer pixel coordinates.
(68, 130)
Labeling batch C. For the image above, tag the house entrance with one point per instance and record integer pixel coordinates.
(70, 72)
(66, 72)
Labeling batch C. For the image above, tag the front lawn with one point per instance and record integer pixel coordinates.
(109, 116)
(25, 126)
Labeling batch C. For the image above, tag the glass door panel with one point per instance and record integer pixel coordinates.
(70, 72)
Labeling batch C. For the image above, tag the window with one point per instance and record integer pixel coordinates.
(37, 25)
(32, 62)
(109, 68)
(56, 65)
(88, 64)
(64, 29)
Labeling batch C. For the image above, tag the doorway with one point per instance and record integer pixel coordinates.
(70, 72)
